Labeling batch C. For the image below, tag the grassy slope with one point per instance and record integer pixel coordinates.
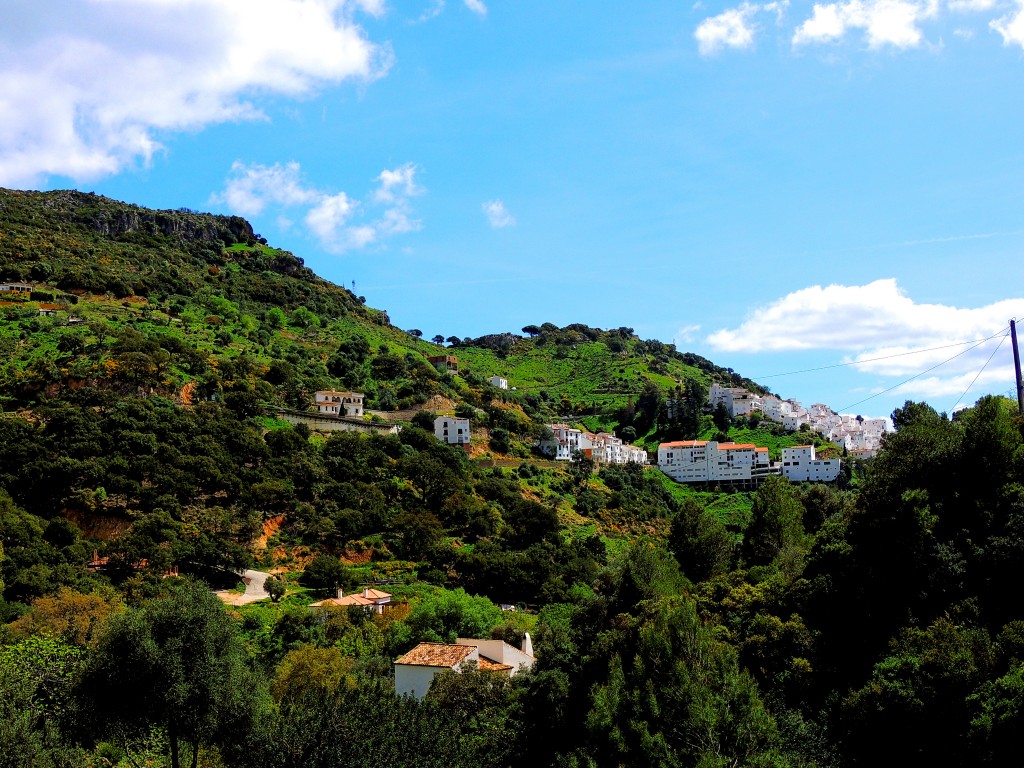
(589, 373)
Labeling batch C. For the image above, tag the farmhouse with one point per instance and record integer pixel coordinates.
(416, 670)
(498, 381)
(371, 600)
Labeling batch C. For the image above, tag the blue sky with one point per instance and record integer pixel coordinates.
(776, 186)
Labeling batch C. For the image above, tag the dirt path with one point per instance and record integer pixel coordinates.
(254, 590)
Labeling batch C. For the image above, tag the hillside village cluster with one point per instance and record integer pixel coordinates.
(685, 461)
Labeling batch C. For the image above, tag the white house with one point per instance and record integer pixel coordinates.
(499, 382)
(792, 421)
(415, 671)
(339, 403)
(800, 463)
(452, 430)
(371, 600)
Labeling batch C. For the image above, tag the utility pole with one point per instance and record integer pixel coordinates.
(1016, 368)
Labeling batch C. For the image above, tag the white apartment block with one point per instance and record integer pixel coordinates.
(708, 461)
(499, 382)
(800, 464)
(452, 430)
(334, 403)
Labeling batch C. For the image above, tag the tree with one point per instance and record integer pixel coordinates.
(776, 527)
(416, 333)
(176, 663)
(532, 330)
(439, 339)
(721, 417)
(453, 341)
(326, 574)
(700, 542)
(274, 586)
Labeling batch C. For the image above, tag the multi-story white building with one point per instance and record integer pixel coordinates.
(339, 403)
(452, 430)
(708, 461)
(738, 401)
(499, 382)
(800, 464)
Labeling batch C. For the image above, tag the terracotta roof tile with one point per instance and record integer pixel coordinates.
(492, 666)
(685, 444)
(436, 655)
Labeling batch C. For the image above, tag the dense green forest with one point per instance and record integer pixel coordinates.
(871, 622)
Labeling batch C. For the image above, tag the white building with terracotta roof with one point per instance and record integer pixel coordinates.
(371, 600)
(708, 461)
(415, 671)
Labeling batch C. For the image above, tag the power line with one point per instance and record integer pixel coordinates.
(876, 359)
(922, 373)
(978, 374)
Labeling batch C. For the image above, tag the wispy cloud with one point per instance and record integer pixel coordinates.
(497, 215)
(340, 222)
(88, 86)
(476, 6)
(686, 335)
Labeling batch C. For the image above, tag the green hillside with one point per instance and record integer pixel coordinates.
(144, 365)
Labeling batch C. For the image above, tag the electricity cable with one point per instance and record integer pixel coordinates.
(978, 374)
(876, 359)
(918, 375)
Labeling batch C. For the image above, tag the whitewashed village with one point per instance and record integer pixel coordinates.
(685, 461)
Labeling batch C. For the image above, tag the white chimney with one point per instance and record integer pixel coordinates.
(527, 644)
(341, 593)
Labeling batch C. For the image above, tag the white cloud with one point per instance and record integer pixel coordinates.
(1011, 26)
(856, 317)
(731, 29)
(477, 7)
(878, 320)
(90, 87)
(735, 27)
(331, 218)
(252, 187)
(497, 215)
(885, 22)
